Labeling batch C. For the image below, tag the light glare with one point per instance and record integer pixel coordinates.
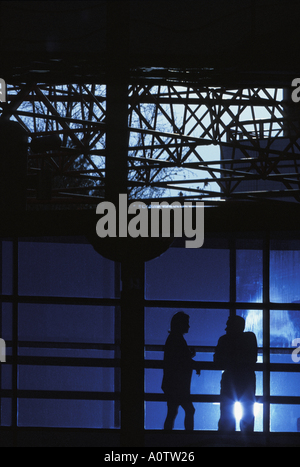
(238, 411)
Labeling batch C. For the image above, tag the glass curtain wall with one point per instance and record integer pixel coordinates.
(256, 278)
(60, 319)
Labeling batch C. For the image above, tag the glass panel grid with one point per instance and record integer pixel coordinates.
(67, 353)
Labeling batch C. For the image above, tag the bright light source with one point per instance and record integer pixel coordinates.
(257, 408)
(238, 411)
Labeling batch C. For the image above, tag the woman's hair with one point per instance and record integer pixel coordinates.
(179, 321)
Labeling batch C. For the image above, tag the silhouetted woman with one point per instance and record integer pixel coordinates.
(178, 369)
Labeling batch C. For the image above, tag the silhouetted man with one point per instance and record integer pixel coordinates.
(236, 353)
(178, 369)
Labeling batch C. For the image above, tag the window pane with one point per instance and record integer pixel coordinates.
(64, 323)
(285, 384)
(249, 276)
(64, 270)
(152, 355)
(62, 378)
(208, 383)
(153, 380)
(66, 413)
(285, 327)
(184, 274)
(282, 358)
(285, 276)
(285, 418)
(206, 416)
(207, 326)
(259, 381)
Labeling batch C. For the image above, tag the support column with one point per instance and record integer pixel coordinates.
(117, 133)
(132, 297)
(132, 354)
(15, 339)
(117, 140)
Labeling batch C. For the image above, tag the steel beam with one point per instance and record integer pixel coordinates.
(163, 131)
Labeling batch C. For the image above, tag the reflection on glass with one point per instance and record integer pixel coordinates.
(249, 277)
(285, 327)
(254, 323)
(285, 418)
(285, 276)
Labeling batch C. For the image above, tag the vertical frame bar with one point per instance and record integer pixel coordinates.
(232, 276)
(15, 340)
(117, 131)
(1, 291)
(117, 371)
(132, 353)
(266, 333)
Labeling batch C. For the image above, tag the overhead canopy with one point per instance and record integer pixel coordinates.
(227, 40)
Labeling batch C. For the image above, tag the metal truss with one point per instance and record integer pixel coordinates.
(185, 142)
(76, 114)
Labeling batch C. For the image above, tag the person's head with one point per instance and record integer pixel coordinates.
(235, 325)
(180, 323)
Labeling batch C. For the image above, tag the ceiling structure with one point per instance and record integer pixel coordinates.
(206, 115)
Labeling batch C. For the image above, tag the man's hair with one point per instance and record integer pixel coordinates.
(236, 323)
(178, 321)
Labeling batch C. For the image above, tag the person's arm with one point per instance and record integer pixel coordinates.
(197, 367)
(219, 357)
(186, 358)
(252, 350)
